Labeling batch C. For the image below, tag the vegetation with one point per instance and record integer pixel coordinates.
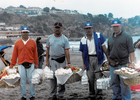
(72, 23)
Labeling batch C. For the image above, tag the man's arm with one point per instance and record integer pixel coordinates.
(14, 57)
(68, 57)
(105, 50)
(47, 57)
(84, 66)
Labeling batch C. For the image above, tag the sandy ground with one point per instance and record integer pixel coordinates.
(74, 91)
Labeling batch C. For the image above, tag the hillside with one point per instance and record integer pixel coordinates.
(72, 23)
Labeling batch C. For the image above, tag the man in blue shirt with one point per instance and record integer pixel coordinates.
(92, 46)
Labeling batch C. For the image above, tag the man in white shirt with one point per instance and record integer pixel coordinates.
(92, 47)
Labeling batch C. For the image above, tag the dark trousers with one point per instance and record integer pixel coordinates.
(41, 60)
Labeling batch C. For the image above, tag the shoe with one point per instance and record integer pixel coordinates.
(99, 98)
(52, 98)
(61, 98)
(116, 99)
(32, 98)
(23, 98)
(92, 98)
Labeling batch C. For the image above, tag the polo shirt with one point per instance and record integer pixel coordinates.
(120, 47)
(57, 45)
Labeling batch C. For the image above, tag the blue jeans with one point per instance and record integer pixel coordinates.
(26, 73)
(120, 89)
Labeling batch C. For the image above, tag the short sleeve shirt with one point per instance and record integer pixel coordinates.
(120, 47)
(57, 45)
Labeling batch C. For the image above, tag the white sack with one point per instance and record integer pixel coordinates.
(62, 75)
(37, 76)
(47, 73)
(84, 79)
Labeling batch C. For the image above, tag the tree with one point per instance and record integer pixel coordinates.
(53, 8)
(110, 15)
(105, 15)
(46, 9)
(21, 6)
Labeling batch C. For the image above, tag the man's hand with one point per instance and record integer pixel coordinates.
(11, 66)
(84, 67)
(132, 65)
(68, 66)
(36, 66)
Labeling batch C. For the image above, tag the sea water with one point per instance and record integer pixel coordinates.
(74, 45)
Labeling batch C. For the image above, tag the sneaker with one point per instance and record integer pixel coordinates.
(32, 98)
(52, 98)
(23, 98)
(61, 98)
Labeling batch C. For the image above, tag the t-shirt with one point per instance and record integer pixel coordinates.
(120, 47)
(57, 45)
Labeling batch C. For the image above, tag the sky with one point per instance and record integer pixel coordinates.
(119, 8)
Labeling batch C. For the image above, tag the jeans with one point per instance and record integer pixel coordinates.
(26, 73)
(120, 89)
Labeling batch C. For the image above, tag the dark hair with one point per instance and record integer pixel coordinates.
(58, 23)
(39, 38)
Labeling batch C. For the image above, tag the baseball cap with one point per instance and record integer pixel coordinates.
(116, 22)
(88, 25)
(57, 24)
(25, 29)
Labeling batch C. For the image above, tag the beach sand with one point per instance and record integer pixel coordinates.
(74, 91)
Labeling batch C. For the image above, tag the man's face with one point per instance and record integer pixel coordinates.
(57, 30)
(25, 34)
(116, 29)
(89, 31)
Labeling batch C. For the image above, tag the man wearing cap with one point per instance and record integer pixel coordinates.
(57, 50)
(25, 50)
(120, 48)
(92, 46)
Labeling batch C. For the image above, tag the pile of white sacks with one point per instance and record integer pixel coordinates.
(38, 75)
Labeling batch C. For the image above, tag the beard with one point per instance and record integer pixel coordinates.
(57, 34)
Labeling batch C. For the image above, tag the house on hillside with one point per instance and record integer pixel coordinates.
(10, 7)
(34, 11)
(1, 10)
(57, 12)
(20, 11)
(71, 11)
(2, 26)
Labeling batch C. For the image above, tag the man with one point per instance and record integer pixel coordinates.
(25, 50)
(57, 48)
(92, 46)
(137, 44)
(120, 48)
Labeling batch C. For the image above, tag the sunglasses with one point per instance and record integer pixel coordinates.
(88, 28)
(25, 32)
(57, 23)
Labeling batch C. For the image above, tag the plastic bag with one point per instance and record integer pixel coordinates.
(84, 79)
(37, 76)
(47, 73)
(103, 83)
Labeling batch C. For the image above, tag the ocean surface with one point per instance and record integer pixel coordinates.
(74, 45)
